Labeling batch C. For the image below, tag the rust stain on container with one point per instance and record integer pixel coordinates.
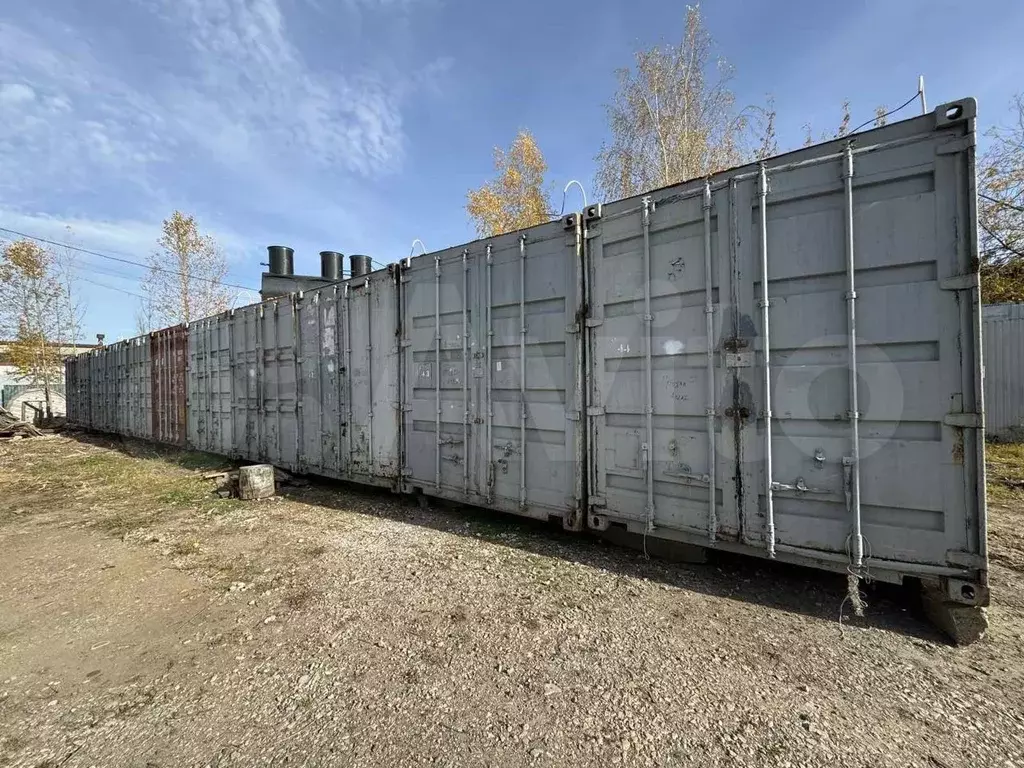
(169, 354)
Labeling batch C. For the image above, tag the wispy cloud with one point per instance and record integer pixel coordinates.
(244, 98)
(66, 119)
(258, 95)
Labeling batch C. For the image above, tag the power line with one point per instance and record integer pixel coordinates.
(125, 261)
(110, 287)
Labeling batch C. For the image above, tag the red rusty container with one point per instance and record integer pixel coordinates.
(169, 356)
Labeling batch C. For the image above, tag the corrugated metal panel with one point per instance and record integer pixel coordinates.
(323, 382)
(169, 384)
(210, 425)
(71, 389)
(1003, 332)
(662, 266)
(134, 410)
(309, 382)
(492, 372)
(370, 319)
(242, 380)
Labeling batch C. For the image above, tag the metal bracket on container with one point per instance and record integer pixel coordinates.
(963, 420)
(965, 559)
(595, 410)
(739, 359)
(800, 486)
(593, 212)
(569, 222)
(572, 415)
(955, 112)
(961, 282)
(956, 146)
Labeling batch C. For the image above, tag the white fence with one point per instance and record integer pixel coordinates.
(1003, 339)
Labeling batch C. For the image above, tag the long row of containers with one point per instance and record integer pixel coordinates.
(782, 359)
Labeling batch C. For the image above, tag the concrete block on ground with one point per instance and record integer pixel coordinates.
(256, 482)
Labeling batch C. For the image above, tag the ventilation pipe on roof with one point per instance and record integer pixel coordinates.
(330, 265)
(282, 260)
(360, 265)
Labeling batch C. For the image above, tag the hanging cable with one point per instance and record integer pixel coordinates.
(124, 261)
(566, 189)
(906, 103)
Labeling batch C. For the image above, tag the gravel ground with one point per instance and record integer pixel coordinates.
(146, 622)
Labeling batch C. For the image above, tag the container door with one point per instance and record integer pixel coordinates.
(373, 417)
(439, 427)
(319, 382)
(279, 395)
(871, 264)
(531, 387)
(658, 276)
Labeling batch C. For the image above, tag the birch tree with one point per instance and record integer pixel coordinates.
(674, 117)
(31, 298)
(185, 280)
(71, 307)
(516, 197)
(1001, 211)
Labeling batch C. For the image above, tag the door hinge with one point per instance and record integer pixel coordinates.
(960, 282)
(964, 420)
(595, 410)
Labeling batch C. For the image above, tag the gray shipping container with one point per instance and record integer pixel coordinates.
(493, 373)
(785, 358)
(108, 389)
(1003, 331)
(309, 382)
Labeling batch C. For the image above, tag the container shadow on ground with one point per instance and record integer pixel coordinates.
(781, 586)
(795, 589)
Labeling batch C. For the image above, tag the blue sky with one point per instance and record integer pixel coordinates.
(358, 125)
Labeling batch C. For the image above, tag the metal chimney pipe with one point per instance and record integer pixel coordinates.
(282, 260)
(360, 265)
(330, 265)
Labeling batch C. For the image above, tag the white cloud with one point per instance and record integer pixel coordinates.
(71, 119)
(243, 100)
(14, 94)
(258, 94)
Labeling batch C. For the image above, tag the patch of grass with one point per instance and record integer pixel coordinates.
(239, 570)
(183, 547)
(181, 494)
(123, 522)
(1005, 470)
(196, 460)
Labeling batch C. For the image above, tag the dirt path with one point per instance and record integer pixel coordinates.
(145, 622)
